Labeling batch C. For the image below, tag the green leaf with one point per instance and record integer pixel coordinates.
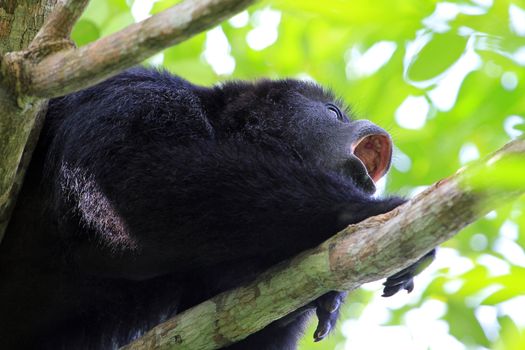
(117, 23)
(511, 337)
(84, 32)
(501, 174)
(464, 325)
(439, 54)
(162, 5)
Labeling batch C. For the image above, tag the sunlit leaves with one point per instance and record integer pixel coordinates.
(512, 337)
(187, 57)
(433, 60)
(163, 5)
(85, 31)
(102, 17)
(502, 174)
(464, 325)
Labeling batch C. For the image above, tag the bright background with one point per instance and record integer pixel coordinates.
(445, 78)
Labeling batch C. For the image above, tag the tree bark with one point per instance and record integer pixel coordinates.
(19, 23)
(373, 249)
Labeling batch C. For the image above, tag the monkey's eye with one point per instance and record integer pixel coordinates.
(336, 112)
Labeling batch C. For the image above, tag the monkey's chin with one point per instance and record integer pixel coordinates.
(356, 169)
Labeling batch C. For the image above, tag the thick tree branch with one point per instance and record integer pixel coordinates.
(67, 71)
(373, 249)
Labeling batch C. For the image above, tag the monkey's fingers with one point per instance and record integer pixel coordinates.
(327, 311)
(394, 286)
(404, 279)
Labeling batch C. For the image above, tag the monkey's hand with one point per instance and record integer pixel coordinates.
(327, 310)
(404, 279)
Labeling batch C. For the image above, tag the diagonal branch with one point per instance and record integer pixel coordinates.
(68, 71)
(371, 250)
(61, 21)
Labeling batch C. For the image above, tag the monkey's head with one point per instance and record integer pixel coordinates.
(307, 121)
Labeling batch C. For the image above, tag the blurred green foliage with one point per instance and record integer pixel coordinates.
(444, 77)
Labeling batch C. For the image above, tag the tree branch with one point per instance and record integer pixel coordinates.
(61, 21)
(68, 71)
(373, 249)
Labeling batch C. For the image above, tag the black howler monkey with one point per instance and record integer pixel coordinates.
(147, 195)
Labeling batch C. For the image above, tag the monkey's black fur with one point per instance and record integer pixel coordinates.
(147, 195)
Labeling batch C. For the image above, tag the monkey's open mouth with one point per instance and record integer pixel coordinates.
(375, 151)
